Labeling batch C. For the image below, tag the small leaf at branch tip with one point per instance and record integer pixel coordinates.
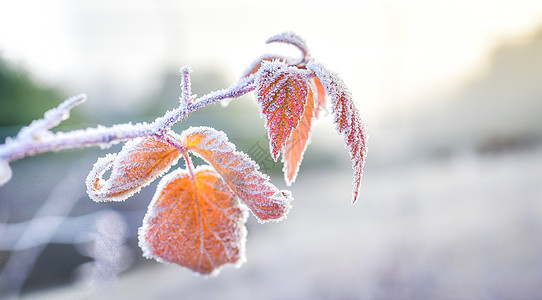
(288, 37)
(5, 172)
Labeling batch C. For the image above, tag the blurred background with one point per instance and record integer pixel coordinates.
(451, 93)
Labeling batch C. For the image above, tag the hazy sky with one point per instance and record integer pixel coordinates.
(390, 53)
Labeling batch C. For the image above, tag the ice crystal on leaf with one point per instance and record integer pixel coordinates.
(292, 154)
(255, 65)
(266, 201)
(282, 93)
(195, 222)
(347, 121)
(138, 163)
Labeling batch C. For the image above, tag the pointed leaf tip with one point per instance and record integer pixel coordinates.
(282, 92)
(347, 121)
(292, 154)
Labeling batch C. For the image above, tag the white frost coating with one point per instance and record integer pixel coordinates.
(152, 213)
(132, 169)
(255, 65)
(347, 121)
(282, 93)
(292, 39)
(186, 87)
(238, 89)
(52, 117)
(5, 172)
(265, 200)
(100, 167)
(34, 140)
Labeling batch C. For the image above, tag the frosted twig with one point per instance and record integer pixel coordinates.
(186, 88)
(241, 87)
(52, 117)
(36, 139)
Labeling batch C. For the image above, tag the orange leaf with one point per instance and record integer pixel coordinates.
(347, 121)
(194, 222)
(239, 171)
(138, 163)
(320, 96)
(296, 145)
(281, 92)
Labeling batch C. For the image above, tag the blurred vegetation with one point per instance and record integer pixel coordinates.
(23, 99)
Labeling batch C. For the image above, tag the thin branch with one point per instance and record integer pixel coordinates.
(52, 117)
(186, 87)
(189, 165)
(241, 87)
(36, 139)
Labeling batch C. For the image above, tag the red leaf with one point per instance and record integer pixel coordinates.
(138, 163)
(347, 121)
(281, 92)
(320, 92)
(297, 144)
(239, 171)
(194, 222)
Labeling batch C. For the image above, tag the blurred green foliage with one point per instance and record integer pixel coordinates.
(23, 99)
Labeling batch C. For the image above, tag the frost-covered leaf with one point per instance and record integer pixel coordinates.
(347, 121)
(320, 95)
(194, 222)
(282, 93)
(298, 142)
(138, 163)
(255, 65)
(239, 171)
